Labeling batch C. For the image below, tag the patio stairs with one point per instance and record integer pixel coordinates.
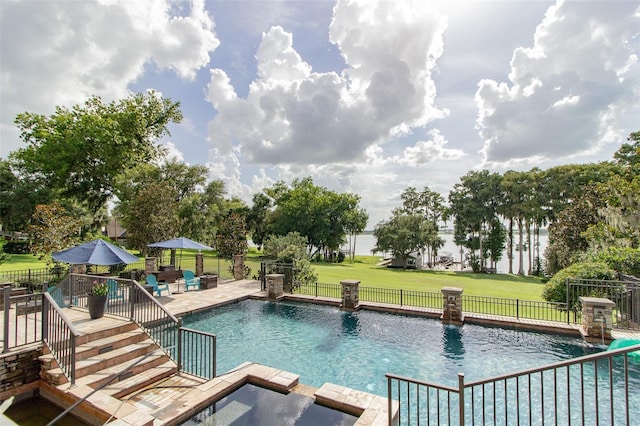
(121, 349)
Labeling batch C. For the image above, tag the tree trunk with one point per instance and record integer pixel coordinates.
(529, 250)
(510, 248)
(520, 248)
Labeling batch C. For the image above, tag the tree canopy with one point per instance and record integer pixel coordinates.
(80, 151)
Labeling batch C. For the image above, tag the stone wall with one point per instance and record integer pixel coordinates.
(18, 369)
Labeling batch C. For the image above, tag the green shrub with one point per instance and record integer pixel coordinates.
(555, 290)
(623, 259)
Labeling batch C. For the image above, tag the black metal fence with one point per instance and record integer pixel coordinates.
(34, 279)
(596, 389)
(274, 267)
(625, 295)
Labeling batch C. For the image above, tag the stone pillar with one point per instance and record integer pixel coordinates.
(597, 314)
(452, 305)
(238, 267)
(78, 269)
(199, 264)
(149, 265)
(274, 286)
(350, 297)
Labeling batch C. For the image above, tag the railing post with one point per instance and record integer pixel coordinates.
(316, 288)
(132, 299)
(7, 304)
(213, 349)
(400, 297)
(566, 284)
(179, 344)
(461, 398)
(517, 308)
(45, 317)
(73, 360)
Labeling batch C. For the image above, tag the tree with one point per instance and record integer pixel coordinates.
(402, 235)
(258, 218)
(566, 235)
(152, 216)
(81, 151)
(474, 205)
(52, 229)
(315, 212)
(291, 248)
(19, 196)
(232, 236)
(355, 222)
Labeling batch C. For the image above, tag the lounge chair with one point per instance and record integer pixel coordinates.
(190, 280)
(115, 293)
(158, 287)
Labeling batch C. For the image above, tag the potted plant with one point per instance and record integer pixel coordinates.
(97, 299)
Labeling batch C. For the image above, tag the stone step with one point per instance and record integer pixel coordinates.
(105, 332)
(110, 343)
(140, 380)
(125, 370)
(114, 357)
(52, 373)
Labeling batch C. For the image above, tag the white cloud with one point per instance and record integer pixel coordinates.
(293, 115)
(62, 52)
(570, 91)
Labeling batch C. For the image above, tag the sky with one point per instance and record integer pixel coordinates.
(368, 97)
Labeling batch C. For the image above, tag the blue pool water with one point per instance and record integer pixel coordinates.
(356, 349)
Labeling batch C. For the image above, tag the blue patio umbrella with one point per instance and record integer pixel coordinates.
(96, 252)
(180, 243)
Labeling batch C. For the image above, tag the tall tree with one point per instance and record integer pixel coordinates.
(355, 222)
(402, 234)
(152, 216)
(19, 195)
(232, 236)
(81, 150)
(52, 229)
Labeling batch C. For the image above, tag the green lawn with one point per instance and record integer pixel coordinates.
(365, 270)
(370, 275)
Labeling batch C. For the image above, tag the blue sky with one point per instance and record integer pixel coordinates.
(368, 97)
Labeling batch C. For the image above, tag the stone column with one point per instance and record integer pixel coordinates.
(597, 314)
(452, 305)
(199, 264)
(78, 269)
(350, 297)
(275, 286)
(149, 265)
(238, 266)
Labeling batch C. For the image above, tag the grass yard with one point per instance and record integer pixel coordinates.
(370, 275)
(363, 269)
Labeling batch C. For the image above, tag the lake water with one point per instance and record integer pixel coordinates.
(366, 242)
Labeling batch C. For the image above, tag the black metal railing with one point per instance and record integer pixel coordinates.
(34, 279)
(204, 345)
(516, 308)
(60, 336)
(128, 299)
(602, 388)
(20, 319)
(625, 295)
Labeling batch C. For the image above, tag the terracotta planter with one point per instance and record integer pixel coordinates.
(96, 305)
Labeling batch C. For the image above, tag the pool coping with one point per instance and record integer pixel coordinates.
(371, 410)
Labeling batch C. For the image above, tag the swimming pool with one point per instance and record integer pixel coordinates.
(356, 349)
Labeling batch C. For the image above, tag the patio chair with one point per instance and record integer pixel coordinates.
(115, 293)
(158, 286)
(190, 280)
